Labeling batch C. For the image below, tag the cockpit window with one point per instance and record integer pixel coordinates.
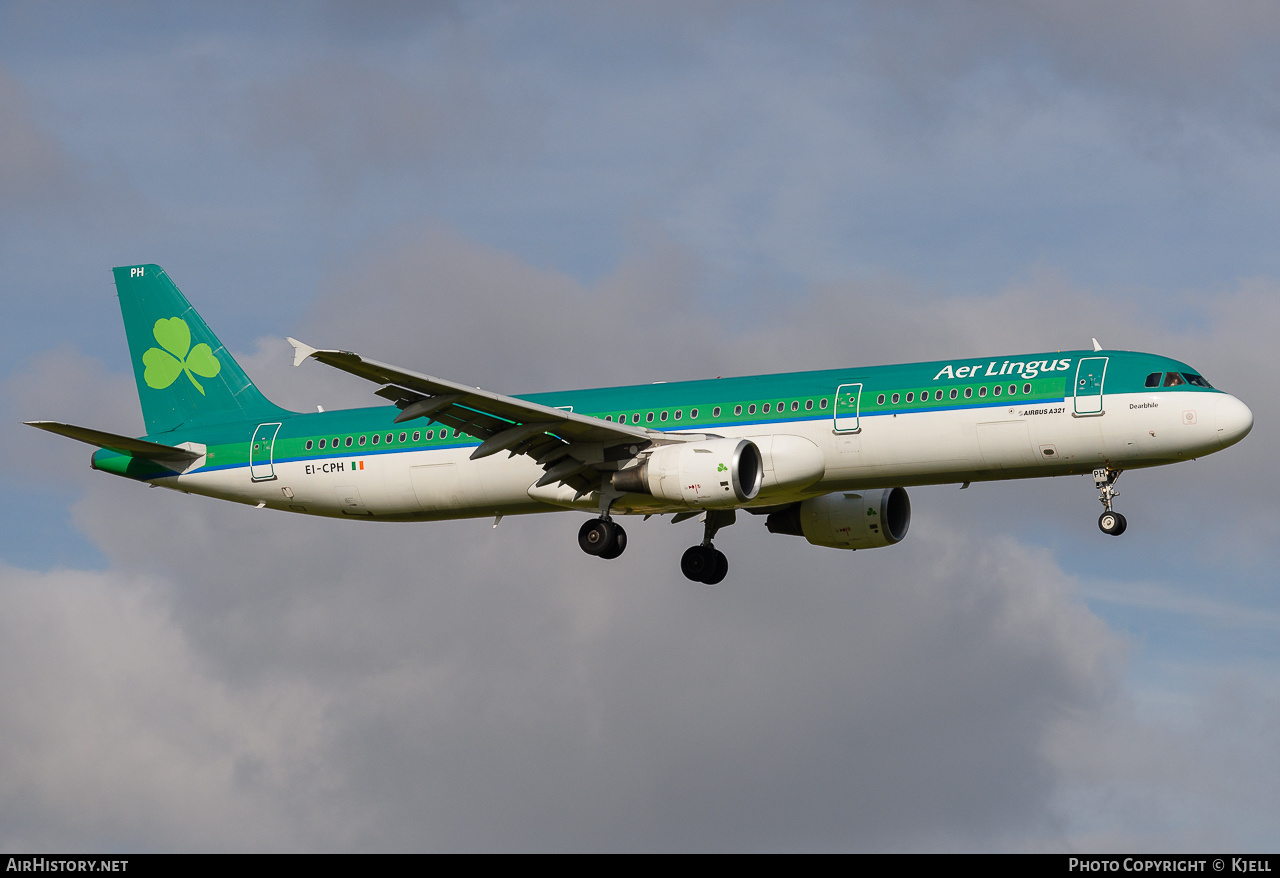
(1197, 380)
(1173, 379)
(1153, 380)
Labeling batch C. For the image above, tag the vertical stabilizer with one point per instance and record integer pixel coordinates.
(184, 373)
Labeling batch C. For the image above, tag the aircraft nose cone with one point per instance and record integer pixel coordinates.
(1235, 420)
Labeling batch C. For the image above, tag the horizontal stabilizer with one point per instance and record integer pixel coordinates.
(122, 444)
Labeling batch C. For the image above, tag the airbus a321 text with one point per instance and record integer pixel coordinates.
(823, 455)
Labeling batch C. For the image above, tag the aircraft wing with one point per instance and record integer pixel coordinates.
(566, 444)
(122, 444)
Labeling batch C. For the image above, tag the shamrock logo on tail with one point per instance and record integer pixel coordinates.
(164, 366)
(721, 468)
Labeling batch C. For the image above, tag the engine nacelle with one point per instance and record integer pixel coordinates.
(713, 472)
(847, 519)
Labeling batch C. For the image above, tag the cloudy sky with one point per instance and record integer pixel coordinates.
(538, 196)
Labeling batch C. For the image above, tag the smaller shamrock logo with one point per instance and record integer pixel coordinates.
(164, 366)
(721, 468)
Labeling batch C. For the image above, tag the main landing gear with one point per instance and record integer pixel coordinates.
(705, 563)
(605, 538)
(602, 537)
(1110, 521)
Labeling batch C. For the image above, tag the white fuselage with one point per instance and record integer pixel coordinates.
(1016, 440)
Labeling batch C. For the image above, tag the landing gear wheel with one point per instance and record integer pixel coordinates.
(1112, 523)
(704, 564)
(596, 536)
(619, 543)
(718, 572)
(696, 561)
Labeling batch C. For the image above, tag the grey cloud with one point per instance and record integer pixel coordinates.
(35, 171)
(117, 735)
(352, 119)
(63, 385)
(490, 689)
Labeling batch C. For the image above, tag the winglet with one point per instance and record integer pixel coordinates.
(300, 351)
(1096, 346)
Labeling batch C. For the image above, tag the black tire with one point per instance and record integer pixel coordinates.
(1112, 523)
(696, 561)
(596, 536)
(718, 570)
(619, 543)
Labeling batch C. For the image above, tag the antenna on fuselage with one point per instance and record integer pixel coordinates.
(1096, 346)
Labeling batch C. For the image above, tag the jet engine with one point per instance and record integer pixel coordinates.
(713, 472)
(847, 519)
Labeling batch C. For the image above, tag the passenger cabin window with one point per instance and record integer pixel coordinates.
(765, 408)
(322, 443)
(1173, 379)
(895, 399)
(822, 403)
(995, 391)
(795, 406)
(968, 392)
(376, 437)
(982, 391)
(431, 434)
(715, 413)
(309, 444)
(361, 442)
(679, 414)
(1026, 388)
(390, 437)
(880, 399)
(910, 396)
(402, 436)
(737, 409)
(1153, 380)
(693, 413)
(751, 409)
(649, 418)
(808, 405)
(662, 417)
(954, 394)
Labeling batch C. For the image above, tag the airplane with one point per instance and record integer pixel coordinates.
(825, 455)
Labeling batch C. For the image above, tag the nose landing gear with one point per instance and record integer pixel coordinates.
(1109, 522)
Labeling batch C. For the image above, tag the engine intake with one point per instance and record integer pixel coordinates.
(847, 519)
(713, 472)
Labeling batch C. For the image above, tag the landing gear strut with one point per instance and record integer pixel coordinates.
(1110, 521)
(705, 563)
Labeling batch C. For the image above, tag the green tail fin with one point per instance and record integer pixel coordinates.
(184, 373)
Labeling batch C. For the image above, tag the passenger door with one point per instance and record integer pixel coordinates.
(1090, 373)
(847, 408)
(261, 460)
